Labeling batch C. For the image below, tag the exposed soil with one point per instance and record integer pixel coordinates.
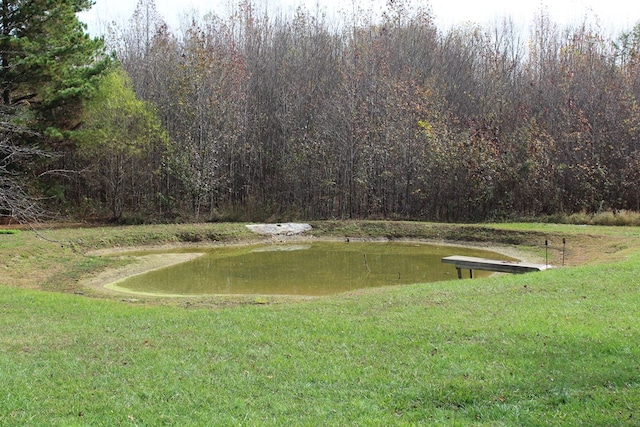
(138, 265)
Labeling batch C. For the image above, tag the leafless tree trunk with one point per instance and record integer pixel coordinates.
(17, 201)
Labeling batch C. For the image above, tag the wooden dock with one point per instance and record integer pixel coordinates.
(473, 263)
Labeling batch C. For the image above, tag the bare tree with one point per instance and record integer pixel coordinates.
(388, 116)
(16, 198)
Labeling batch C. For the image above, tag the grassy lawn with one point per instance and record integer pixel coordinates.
(560, 347)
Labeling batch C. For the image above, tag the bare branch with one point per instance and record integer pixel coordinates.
(15, 200)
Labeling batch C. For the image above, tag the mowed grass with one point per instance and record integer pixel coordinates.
(560, 347)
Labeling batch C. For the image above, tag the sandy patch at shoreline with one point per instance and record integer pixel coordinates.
(139, 265)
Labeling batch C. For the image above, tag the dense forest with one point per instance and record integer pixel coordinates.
(258, 117)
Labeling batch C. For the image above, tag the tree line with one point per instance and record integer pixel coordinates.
(259, 117)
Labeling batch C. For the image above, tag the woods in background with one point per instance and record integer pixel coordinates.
(257, 117)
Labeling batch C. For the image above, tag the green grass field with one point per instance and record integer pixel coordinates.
(560, 347)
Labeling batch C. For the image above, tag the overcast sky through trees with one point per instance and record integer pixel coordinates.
(616, 15)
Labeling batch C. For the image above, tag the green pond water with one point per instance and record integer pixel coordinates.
(302, 269)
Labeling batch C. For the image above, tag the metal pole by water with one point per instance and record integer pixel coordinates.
(546, 253)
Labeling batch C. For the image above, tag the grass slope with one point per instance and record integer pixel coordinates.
(559, 347)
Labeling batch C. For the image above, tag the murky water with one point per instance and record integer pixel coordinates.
(303, 269)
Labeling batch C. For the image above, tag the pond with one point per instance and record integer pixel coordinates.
(313, 269)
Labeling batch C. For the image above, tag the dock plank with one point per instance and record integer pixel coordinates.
(474, 263)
